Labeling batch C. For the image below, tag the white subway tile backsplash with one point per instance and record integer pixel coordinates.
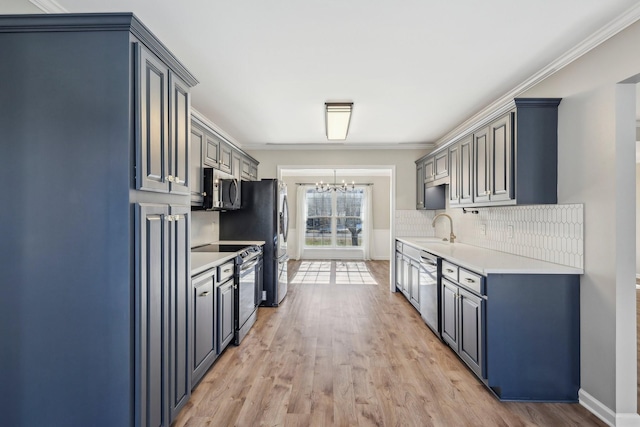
(551, 233)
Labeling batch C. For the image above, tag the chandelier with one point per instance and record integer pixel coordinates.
(343, 187)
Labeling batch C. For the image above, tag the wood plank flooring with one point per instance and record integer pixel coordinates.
(352, 355)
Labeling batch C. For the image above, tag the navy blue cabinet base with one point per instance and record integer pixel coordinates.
(94, 302)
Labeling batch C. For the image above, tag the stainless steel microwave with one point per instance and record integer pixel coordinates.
(221, 191)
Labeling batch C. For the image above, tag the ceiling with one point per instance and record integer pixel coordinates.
(413, 69)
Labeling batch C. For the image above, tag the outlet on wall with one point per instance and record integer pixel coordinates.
(510, 231)
(483, 229)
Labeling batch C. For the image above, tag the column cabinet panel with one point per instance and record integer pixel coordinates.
(196, 156)
(454, 175)
(180, 125)
(153, 314)
(153, 153)
(501, 150)
(420, 185)
(466, 171)
(482, 166)
(179, 291)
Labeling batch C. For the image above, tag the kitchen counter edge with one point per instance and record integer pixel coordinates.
(203, 261)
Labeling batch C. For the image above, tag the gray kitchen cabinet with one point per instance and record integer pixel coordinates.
(429, 170)
(428, 195)
(414, 284)
(463, 321)
(493, 148)
(226, 309)
(225, 161)
(254, 171)
(481, 166)
(236, 165)
(179, 293)
(399, 271)
(211, 151)
(164, 105)
(204, 324)
(249, 169)
(441, 167)
(108, 95)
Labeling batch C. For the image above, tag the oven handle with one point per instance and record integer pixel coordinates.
(428, 261)
(250, 265)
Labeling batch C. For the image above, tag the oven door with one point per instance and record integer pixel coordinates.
(247, 291)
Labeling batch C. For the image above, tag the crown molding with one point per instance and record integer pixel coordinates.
(506, 103)
(195, 114)
(49, 6)
(337, 146)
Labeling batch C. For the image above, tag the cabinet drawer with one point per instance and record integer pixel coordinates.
(471, 281)
(450, 270)
(398, 246)
(225, 271)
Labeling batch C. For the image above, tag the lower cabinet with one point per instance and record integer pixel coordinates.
(204, 324)
(414, 284)
(226, 299)
(161, 314)
(463, 324)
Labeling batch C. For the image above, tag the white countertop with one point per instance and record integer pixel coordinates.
(203, 261)
(486, 261)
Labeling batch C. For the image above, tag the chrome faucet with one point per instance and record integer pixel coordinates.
(452, 237)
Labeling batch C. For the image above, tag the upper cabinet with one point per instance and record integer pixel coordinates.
(420, 184)
(512, 160)
(441, 167)
(163, 126)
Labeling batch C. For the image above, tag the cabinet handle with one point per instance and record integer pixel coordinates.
(177, 217)
(469, 280)
(204, 294)
(450, 270)
(227, 270)
(178, 180)
(235, 286)
(204, 194)
(170, 218)
(170, 178)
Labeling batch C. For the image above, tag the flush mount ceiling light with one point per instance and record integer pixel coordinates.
(337, 117)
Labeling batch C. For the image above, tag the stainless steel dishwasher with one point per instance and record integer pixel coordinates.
(430, 290)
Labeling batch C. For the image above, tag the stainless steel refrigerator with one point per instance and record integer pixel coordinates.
(264, 215)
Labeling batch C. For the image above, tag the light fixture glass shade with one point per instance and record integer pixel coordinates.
(337, 118)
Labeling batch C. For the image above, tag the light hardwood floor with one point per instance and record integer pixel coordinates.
(353, 355)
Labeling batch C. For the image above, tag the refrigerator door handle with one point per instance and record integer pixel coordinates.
(284, 218)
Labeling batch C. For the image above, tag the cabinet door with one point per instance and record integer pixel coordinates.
(429, 170)
(236, 165)
(253, 171)
(196, 174)
(153, 133)
(152, 318)
(454, 175)
(179, 124)
(406, 276)
(246, 169)
(211, 151)
(449, 314)
(225, 314)
(203, 324)
(482, 166)
(471, 333)
(466, 170)
(399, 272)
(179, 275)
(420, 185)
(441, 165)
(225, 157)
(414, 291)
(501, 149)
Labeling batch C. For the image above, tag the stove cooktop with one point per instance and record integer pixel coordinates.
(221, 248)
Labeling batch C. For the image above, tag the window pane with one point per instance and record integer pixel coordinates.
(318, 204)
(318, 231)
(348, 223)
(349, 231)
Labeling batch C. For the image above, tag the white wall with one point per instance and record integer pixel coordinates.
(18, 6)
(637, 220)
(596, 135)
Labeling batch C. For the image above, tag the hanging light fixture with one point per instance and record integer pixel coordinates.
(337, 118)
(343, 187)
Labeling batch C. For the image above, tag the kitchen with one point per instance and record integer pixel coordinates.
(593, 104)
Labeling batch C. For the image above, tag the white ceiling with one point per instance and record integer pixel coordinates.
(414, 69)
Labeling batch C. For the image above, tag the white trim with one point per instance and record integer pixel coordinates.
(596, 407)
(338, 146)
(504, 103)
(200, 117)
(49, 6)
(627, 420)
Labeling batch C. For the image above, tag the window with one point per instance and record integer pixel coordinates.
(334, 219)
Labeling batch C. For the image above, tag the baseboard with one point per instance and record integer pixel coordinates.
(598, 409)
